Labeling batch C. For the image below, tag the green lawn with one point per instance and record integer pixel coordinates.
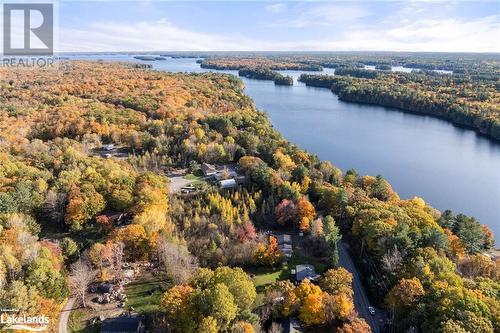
(77, 324)
(144, 295)
(190, 176)
(264, 276)
(195, 179)
(268, 276)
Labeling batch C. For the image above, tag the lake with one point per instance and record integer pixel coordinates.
(450, 167)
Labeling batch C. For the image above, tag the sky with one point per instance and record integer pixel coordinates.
(445, 26)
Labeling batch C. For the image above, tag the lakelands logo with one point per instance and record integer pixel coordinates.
(23, 322)
(28, 34)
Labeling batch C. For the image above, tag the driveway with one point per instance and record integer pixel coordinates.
(361, 301)
(177, 183)
(62, 326)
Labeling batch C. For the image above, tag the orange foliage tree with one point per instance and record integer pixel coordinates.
(268, 255)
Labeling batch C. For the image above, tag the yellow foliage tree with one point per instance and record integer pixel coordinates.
(312, 310)
(405, 293)
(304, 224)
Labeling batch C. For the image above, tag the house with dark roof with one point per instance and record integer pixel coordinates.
(294, 326)
(291, 325)
(286, 249)
(284, 239)
(108, 147)
(122, 325)
(208, 169)
(116, 218)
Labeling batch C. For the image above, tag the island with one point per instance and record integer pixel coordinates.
(261, 73)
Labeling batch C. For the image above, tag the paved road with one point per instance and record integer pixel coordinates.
(361, 301)
(62, 326)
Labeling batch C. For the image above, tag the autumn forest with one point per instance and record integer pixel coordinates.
(91, 155)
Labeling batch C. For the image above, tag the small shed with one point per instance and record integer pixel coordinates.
(122, 325)
(227, 183)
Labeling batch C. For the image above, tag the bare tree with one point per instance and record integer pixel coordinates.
(392, 261)
(176, 260)
(240, 254)
(80, 278)
(117, 260)
(54, 206)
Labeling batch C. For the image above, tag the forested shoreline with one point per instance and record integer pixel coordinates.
(63, 183)
(399, 91)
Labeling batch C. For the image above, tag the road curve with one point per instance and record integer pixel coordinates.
(62, 325)
(361, 301)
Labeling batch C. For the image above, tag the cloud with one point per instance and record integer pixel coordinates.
(324, 15)
(276, 8)
(446, 35)
(158, 35)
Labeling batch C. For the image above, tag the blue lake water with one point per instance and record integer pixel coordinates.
(450, 167)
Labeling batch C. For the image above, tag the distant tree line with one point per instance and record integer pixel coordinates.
(357, 72)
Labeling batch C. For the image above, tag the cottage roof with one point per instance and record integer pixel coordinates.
(305, 272)
(121, 324)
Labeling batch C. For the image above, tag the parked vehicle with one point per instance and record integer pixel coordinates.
(371, 310)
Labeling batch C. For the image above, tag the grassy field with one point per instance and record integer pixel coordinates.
(144, 295)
